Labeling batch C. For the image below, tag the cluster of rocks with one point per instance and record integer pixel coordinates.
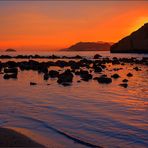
(83, 68)
(38, 57)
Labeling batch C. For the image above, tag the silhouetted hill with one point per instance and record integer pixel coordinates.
(137, 42)
(89, 46)
(10, 50)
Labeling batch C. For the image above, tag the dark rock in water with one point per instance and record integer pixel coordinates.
(24, 66)
(61, 63)
(84, 74)
(53, 73)
(105, 80)
(103, 66)
(95, 78)
(125, 80)
(86, 77)
(117, 69)
(77, 72)
(65, 77)
(46, 76)
(125, 85)
(129, 74)
(33, 83)
(97, 56)
(11, 70)
(90, 71)
(66, 84)
(43, 68)
(1, 66)
(115, 76)
(11, 64)
(137, 42)
(97, 68)
(74, 65)
(137, 68)
(10, 76)
(104, 75)
(115, 62)
(77, 57)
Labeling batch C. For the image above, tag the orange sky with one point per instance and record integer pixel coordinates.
(53, 25)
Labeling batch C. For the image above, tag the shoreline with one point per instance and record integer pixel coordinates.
(12, 138)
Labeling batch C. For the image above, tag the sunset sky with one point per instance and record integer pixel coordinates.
(58, 24)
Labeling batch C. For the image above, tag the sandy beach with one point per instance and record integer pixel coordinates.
(11, 138)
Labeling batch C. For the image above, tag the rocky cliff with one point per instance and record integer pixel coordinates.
(137, 42)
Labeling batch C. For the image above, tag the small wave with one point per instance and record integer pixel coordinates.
(62, 133)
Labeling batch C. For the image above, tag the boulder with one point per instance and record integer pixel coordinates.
(137, 68)
(46, 76)
(104, 80)
(97, 68)
(97, 56)
(65, 77)
(33, 83)
(11, 70)
(86, 76)
(115, 76)
(10, 76)
(74, 65)
(129, 74)
(53, 73)
(125, 85)
(124, 80)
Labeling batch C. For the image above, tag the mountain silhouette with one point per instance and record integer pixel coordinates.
(137, 42)
(89, 46)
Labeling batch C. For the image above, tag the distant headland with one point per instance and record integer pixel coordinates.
(89, 46)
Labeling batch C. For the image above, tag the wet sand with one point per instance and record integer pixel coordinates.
(11, 138)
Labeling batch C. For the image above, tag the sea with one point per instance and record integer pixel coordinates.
(85, 114)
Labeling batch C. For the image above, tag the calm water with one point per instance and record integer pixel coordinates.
(105, 115)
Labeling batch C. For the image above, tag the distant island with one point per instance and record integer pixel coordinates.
(10, 50)
(137, 42)
(89, 46)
